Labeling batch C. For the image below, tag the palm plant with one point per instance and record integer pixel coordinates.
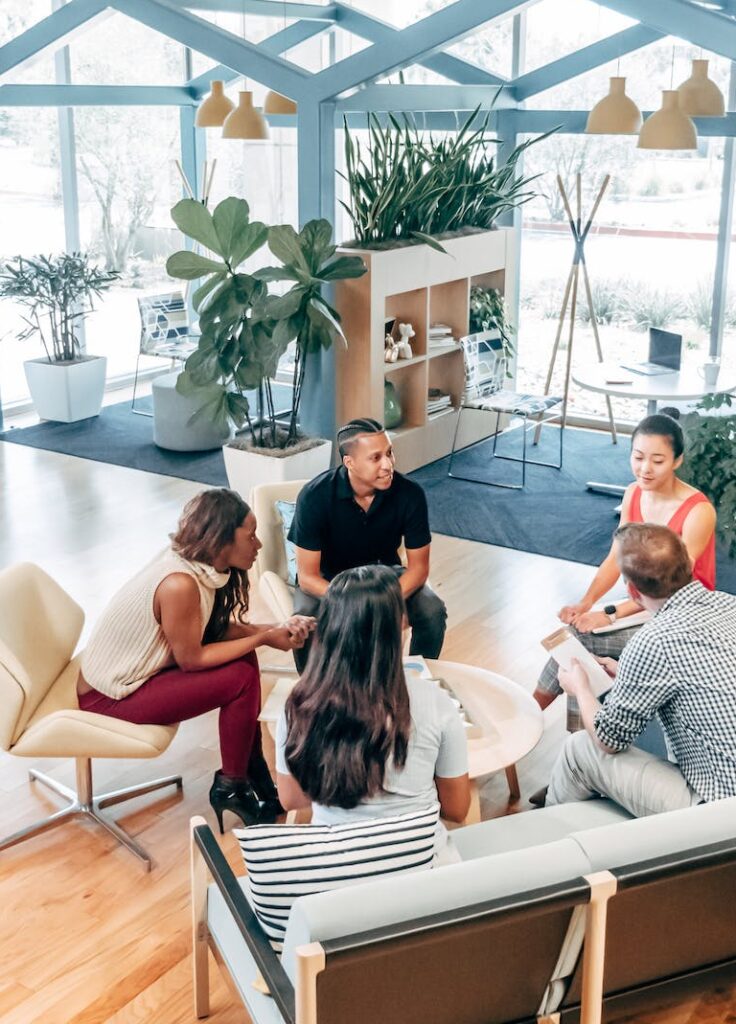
(244, 329)
(408, 188)
(57, 291)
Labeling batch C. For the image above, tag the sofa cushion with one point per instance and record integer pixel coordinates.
(286, 510)
(614, 846)
(533, 828)
(332, 915)
(288, 861)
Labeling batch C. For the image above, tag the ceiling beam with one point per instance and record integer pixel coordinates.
(709, 29)
(572, 122)
(95, 96)
(585, 59)
(417, 98)
(376, 31)
(412, 44)
(56, 31)
(263, 8)
(278, 43)
(224, 47)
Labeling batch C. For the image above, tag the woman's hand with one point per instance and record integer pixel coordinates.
(570, 612)
(283, 639)
(301, 625)
(610, 666)
(589, 621)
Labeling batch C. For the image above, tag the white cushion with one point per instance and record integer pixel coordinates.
(288, 861)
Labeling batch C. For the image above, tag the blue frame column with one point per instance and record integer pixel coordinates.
(725, 227)
(316, 192)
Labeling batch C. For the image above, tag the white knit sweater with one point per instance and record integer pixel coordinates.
(127, 645)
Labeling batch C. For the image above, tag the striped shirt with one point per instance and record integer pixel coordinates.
(681, 667)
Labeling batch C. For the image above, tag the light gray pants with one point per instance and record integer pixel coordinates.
(640, 782)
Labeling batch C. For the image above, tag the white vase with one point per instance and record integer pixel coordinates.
(246, 469)
(67, 392)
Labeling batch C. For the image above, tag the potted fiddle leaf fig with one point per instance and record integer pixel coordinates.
(57, 292)
(245, 329)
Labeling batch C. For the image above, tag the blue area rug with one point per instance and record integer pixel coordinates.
(554, 515)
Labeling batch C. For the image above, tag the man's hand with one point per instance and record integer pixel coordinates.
(574, 680)
(570, 612)
(589, 621)
(610, 666)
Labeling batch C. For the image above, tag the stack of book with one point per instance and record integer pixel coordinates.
(437, 401)
(439, 336)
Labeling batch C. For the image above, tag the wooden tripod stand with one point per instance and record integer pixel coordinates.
(579, 234)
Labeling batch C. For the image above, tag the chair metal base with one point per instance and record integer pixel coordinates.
(508, 458)
(84, 802)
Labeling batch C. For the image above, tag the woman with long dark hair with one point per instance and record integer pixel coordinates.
(656, 496)
(173, 644)
(357, 738)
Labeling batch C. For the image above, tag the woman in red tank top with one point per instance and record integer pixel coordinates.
(656, 496)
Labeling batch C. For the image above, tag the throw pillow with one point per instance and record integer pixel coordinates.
(288, 861)
(286, 510)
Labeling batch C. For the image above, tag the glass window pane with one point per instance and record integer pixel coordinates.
(120, 51)
(15, 17)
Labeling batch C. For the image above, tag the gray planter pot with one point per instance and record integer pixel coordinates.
(67, 392)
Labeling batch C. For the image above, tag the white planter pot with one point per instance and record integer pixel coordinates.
(67, 391)
(246, 469)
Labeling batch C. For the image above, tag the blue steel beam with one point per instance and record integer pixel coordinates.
(412, 44)
(426, 97)
(58, 28)
(709, 29)
(572, 122)
(583, 60)
(368, 27)
(264, 8)
(224, 47)
(95, 96)
(278, 43)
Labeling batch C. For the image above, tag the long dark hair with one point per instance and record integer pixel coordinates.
(663, 424)
(349, 712)
(207, 525)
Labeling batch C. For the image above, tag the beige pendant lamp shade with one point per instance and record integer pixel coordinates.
(699, 95)
(668, 127)
(615, 114)
(245, 122)
(275, 103)
(214, 109)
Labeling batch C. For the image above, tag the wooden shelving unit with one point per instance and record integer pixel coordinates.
(421, 286)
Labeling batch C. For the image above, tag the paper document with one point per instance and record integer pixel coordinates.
(563, 647)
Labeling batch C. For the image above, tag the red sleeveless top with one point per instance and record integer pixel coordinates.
(704, 569)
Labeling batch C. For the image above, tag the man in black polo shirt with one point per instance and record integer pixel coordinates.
(359, 514)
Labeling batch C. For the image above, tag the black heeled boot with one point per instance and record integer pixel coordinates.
(234, 795)
(260, 778)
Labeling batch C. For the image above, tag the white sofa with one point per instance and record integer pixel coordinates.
(519, 884)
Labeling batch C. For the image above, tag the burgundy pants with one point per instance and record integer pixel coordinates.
(174, 696)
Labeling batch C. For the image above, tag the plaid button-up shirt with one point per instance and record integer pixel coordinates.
(681, 666)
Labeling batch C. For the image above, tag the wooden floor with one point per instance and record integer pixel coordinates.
(88, 937)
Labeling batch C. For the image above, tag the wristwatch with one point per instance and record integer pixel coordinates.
(610, 611)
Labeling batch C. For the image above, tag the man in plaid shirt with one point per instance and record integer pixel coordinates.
(681, 667)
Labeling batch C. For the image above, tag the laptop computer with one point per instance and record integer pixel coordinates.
(665, 354)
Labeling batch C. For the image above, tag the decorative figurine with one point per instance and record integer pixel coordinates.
(391, 350)
(406, 331)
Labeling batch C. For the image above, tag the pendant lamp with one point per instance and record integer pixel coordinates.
(214, 109)
(699, 95)
(615, 114)
(275, 103)
(668, 127)
(245, 122)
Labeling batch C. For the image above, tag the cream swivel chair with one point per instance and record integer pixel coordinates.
(39, 713)
(271, 568)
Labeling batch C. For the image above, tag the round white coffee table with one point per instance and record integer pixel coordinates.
(509, 719)
(684, 386)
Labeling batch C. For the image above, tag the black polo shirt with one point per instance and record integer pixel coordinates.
(328, 519)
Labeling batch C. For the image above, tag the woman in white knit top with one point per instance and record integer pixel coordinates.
(173, 644)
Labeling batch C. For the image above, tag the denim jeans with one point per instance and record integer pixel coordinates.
(636, 780)
(425, 610)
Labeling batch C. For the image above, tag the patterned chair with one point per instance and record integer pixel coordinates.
(485, 374)
(165, 332)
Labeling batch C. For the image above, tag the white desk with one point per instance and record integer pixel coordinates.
(684, 386)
